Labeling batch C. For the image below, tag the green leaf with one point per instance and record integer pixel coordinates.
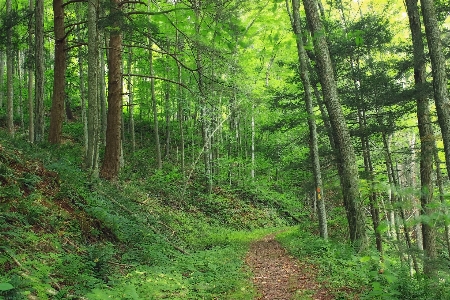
(5, 286)
(365, 259)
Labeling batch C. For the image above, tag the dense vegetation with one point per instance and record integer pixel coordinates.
(144, 145)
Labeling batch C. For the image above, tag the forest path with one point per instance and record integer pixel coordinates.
(277, 275)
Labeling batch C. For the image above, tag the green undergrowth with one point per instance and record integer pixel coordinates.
(351, 275)
(64, 235)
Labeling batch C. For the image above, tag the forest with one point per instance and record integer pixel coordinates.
(184, 149)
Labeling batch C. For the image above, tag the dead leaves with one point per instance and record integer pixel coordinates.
(277, 275)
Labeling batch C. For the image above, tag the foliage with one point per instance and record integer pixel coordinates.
(348, 273)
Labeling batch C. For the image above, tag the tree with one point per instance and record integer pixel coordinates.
(59, 78)
(111, 162)
(9, 73)
(39, 71)
(30, 65)
(313, 144)
(93, 99)
(346, 158)
(426, 134)
(441, 96)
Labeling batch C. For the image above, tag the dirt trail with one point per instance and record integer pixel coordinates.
(277, 275)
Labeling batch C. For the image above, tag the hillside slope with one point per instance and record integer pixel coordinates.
(66, 236)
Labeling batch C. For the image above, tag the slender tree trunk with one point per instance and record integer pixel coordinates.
(84, 114)
(181, 117)
(441, 96)
(368, 168)
(93, 107)
(313, 143)
(440, 184)
(111, 162)
(20, 76)
(2, 83)
(102, 90)
(205, 121)
(253, 142)
(426, 133)
(57, 110)
(30, 79)
(9, 75)
(131, 99)
(154, 110)
(39, 71)
(347, 167)
(167, 115)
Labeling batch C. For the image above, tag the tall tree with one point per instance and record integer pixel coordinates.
(9, 73)
(441, 96)
(39, 71)
(59, 78)
(111, 162)
(313, 143)
(346, 158)
(93, 107)
(2, 70)
(426, 133)
(30, 68)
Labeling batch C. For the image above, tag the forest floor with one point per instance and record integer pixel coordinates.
(277, 275)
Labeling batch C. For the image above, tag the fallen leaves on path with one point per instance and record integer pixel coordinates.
(277, 275)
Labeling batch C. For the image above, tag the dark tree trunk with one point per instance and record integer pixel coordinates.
(425, 131)
(111, 162)
(59, 79)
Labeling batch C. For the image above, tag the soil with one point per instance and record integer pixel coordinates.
(277, 275)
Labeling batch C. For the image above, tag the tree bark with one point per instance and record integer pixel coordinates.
(111, 162)
(441, 97)
(313, 143)
(426, 133)
(39, 71)
(2, 70)
(9, 75)
(347, 168)
(131, 99)
(30, 78)
(93, 101)
(154, 110)
(59, 79)
(102, 91)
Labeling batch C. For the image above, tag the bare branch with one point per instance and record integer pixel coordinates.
(160, 78)
(155, 13)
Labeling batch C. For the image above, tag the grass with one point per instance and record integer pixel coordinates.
(65, 235)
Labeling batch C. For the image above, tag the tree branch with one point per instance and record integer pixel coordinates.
(73, 1)
(155, 13)
(160, 78)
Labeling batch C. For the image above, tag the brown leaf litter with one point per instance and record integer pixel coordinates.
(277, 275)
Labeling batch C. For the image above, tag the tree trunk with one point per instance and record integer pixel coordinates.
(9, 75)
(93, 109)
(2, 70)
(426, 133)
(57, 110)
(84, 118)
(441, 96)
(131, 99)
(180, 117)
(313, 143)
(440, 184)
(111, 163)
(348, 170)
(39, 71)
(155, 110)
(102, 91)
(30, 68)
